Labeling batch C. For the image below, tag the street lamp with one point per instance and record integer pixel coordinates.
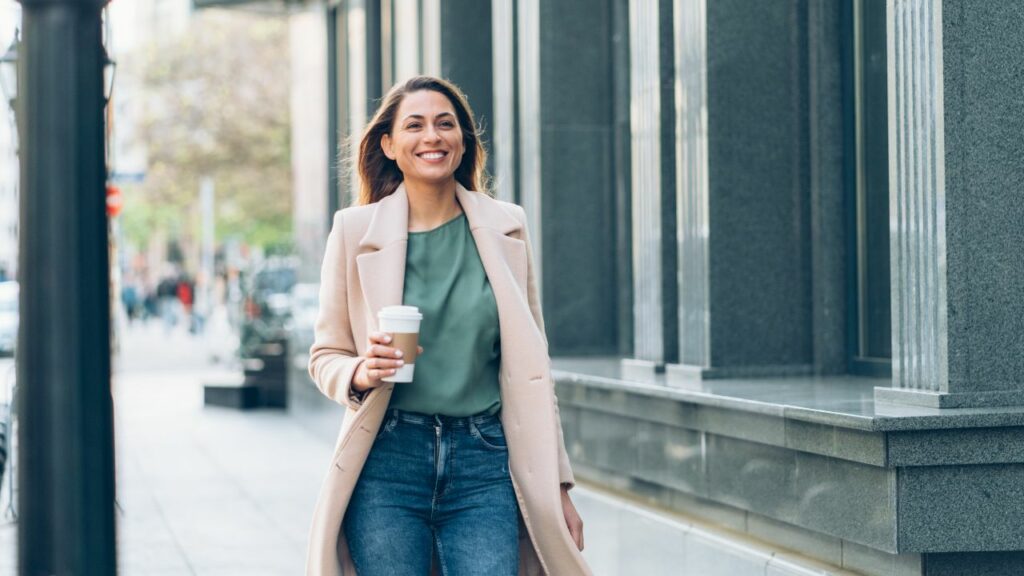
(9, 71)
(109, 72)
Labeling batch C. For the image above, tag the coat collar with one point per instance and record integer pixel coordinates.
(381, 261)
(390, 221)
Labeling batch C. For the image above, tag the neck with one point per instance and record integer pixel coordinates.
(430, 204)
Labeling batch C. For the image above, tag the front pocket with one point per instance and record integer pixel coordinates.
(489, 433)
(389, 423)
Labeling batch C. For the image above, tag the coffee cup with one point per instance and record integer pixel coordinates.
(402, 323)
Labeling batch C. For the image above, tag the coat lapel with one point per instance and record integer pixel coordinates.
(503, 255)
(381, 260)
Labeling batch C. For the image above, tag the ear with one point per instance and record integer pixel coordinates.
(385, 145)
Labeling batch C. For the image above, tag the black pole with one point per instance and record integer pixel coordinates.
(375, 88)
(66, 439)
(333, 122)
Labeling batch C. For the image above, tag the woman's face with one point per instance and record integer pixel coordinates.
(426, 139)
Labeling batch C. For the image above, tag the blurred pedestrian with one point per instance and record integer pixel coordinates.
(427, 234)
(201, 306)
(185, 291)
(167, 301)
(149, 303)
(130, 300)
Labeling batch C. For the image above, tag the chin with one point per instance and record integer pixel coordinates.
(434, 179)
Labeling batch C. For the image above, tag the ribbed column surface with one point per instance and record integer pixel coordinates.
(690, 30)
(917, 195)
(645, 128)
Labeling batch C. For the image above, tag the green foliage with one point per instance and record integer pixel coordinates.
(216, 104)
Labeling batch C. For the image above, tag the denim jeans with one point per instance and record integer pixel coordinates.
(435, 485)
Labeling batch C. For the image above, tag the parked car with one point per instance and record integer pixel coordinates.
(266, 304)
(305, 306)
(8, 317)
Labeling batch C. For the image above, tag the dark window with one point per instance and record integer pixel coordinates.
(871, 348)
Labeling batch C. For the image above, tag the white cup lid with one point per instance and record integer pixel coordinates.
(400, 313)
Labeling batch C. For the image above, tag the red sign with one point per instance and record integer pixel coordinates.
(113, 200)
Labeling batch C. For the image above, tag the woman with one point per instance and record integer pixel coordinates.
(467, 463)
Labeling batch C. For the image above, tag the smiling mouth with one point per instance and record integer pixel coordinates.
(432, 155)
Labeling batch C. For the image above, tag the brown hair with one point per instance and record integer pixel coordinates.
(379, 175)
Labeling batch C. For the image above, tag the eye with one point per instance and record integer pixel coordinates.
(412, 126)
(447, 124)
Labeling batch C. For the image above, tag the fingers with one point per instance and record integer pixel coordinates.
(383, 363)
(381, 360)
(379, 351)
(385, 338)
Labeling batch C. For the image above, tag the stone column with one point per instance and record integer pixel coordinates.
(690, 24)
(566, 176)
(528, 38)
(466, 58)
(956, 75)
(312, 152)
(430, 22)
(760, 257)
(503, 125)
(653, 191)
(362, 72)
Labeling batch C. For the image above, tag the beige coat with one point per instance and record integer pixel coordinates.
(363, 271)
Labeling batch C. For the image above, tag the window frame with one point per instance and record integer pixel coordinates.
(859, 362)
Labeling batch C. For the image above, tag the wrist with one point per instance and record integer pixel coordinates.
(359, 383)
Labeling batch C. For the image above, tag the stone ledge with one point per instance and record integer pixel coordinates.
(764, 424)
(931, 490)
(931, 399)
(842, 401)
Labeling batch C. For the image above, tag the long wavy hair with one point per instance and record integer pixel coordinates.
(379, 175)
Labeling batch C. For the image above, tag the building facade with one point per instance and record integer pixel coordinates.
(780, 255)
(10, 15)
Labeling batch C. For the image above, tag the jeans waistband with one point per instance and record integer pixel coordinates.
(440, 419)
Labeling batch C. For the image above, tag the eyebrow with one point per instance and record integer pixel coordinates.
(421, 117)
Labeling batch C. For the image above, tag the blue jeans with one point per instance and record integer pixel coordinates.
(435, 485)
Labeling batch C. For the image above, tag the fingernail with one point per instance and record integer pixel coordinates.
(398, 354)
(401, 362)
(387, 338)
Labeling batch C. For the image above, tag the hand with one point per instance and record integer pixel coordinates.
(572, 519)
(381, 362)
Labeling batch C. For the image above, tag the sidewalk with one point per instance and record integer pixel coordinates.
(208, 491)
(202, 491)
(218, 492)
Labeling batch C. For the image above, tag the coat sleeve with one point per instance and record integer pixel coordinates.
(565, 476)
(333, 359)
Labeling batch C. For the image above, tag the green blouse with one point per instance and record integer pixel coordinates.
(457, 374)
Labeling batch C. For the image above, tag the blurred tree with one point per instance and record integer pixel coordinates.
(217, 104)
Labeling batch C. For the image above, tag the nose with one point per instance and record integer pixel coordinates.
(431, 134)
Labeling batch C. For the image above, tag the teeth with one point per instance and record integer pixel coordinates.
(432, 155)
